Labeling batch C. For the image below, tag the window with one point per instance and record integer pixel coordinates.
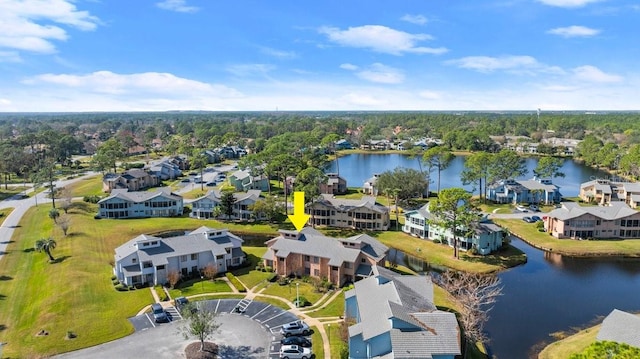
(183, 258)
(134, 260)
(334, 268)
(147, 264)
(363, 260)
(161, 267)
(154, 243)
(307, 258)
(220, 257)
(194, 256)
(347, 265)
(316, 260)
(316, 272)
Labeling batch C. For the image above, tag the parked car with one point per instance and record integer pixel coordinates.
(520, 208)
(210, 184)
(296, 340)
(185, 180)
(295, 328)
(295, 352)
(180, 302)
(159, 314)
(536, 218)
(528, 219)
(534, 208)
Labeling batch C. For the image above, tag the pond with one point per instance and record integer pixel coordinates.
(357, 168)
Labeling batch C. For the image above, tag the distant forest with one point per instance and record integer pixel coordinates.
(610, 140)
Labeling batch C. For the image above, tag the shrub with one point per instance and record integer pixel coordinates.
(114, 277)
(473, 251)
(268, 269)
(436, 240)
(236, 283)
(273, 278)
(303, 302)
(91, 199)
(115, 282)
(121, 288)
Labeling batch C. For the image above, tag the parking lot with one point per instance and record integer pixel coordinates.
(271, 318)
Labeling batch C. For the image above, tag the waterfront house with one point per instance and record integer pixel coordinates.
(615, 220)
(124, 204)
(370, 186)
(364, 213)
(204, 207)
(242, 180)
(148, 259)
(334, 184)
(535, 190)
(604, 191)
(133, 179)
(620, 327)
(485, 238)
(311, 253)
(342, 145)
(393, 316)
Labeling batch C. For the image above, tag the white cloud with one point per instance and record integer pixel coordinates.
(574, 31)
(568, 3)
(380, 73)
(107, 82)
(489, 64)
(10, 56)
(593, 74)
(177, 6)
(244, 70)
(430, 95)
(381, 39)
(279, 53)
(350, 67)
(27, 25)
(415, 19)
(559, 88)
(4, 102)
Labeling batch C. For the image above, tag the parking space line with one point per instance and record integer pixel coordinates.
(217, 305)
(275, 316)
(265, 308)
(150, 321)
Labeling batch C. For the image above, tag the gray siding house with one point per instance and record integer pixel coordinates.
(395, 317)
(148, 259)
(124, 204)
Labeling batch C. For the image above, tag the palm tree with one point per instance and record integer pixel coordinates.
(54, 214)
(46, 245)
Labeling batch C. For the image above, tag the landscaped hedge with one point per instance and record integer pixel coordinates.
(235, 282)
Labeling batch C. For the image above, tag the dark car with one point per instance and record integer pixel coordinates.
(536, 218)
(299, 341)
(158, 313)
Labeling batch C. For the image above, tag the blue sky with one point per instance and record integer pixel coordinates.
(290, 55)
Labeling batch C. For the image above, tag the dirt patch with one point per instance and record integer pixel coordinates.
(210, 351)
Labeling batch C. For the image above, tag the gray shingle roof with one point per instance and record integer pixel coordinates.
(348, 204)
(313, 243)
(388, 297)
(141, 196)
(615, 210)
(621, 327)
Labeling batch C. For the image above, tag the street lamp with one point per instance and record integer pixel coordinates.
(297, 295)
(202, 283)
(329, 325)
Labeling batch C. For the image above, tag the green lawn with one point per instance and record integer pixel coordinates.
(571, 247)
(76, 293)
(335, 308)
(289, 291)
(316, 339)
(90, 186)
(73, 294)
(199, 286)
(10, 191)
(4, 213)
(570, 345)
(442, 255)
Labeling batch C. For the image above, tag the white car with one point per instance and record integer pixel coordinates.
(295, 328)
(295, 352)
(520, 208)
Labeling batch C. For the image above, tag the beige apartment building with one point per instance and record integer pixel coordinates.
(615, 220)
(364, 213)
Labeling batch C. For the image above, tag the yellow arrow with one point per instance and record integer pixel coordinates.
(298, 218)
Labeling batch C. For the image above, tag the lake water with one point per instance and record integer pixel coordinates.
(357, 168)
(549, 293)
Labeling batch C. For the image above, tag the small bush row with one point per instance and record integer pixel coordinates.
(235, 282)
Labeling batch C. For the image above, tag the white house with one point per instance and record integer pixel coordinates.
(204, 207)
(124, 204)
(486, 237)
(148, 259)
